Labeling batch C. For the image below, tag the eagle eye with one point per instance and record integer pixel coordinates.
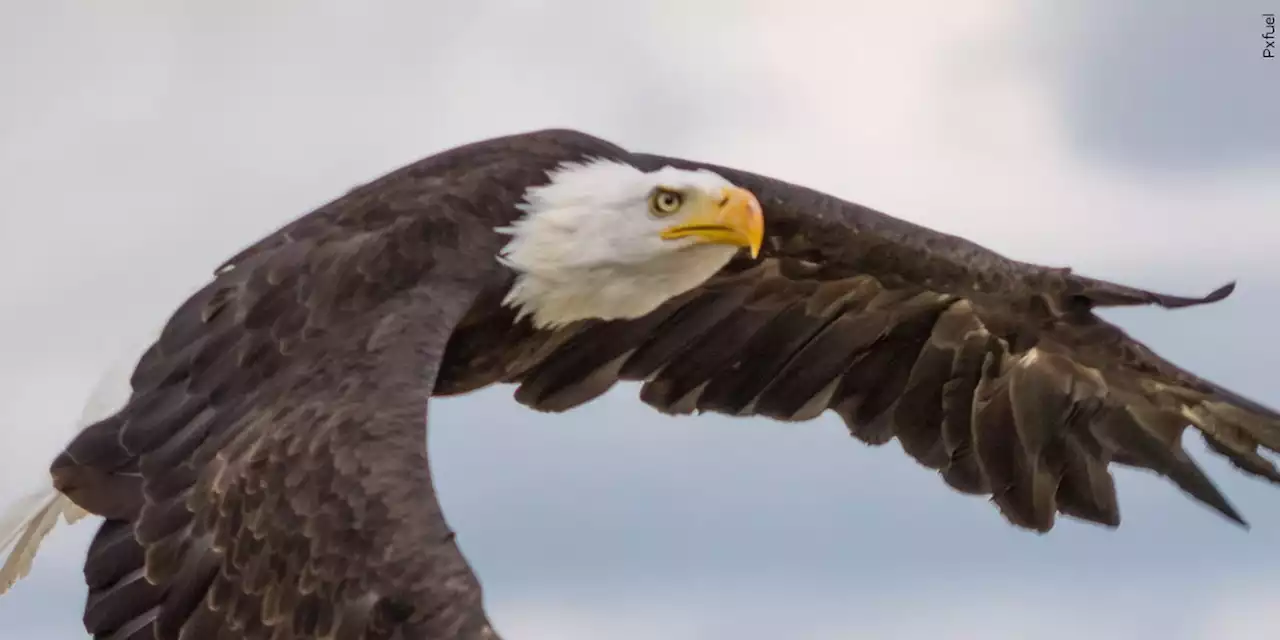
(665, 202)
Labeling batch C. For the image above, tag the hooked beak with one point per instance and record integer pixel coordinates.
(736, 219)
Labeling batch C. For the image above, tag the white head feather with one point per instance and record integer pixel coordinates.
(590, 246)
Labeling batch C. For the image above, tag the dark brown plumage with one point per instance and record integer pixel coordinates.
(268, 478)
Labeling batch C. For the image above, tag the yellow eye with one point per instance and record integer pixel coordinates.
(665, 202)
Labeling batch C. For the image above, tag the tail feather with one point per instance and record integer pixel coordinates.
(26, 523)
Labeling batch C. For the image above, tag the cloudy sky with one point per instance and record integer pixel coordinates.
(142, 141)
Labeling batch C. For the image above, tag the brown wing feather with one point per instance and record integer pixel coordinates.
(997, 373)
(269, 477)
(285, 483)
(1034, 426)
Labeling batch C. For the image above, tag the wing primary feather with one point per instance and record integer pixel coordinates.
(1109, 294)
(1135, 431)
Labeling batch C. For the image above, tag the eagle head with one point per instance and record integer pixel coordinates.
(603, 239)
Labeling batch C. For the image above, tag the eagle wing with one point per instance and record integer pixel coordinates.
(269, 478)
(998, 374)
(276, 434)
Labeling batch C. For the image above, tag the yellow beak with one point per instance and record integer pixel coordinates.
(736, 219)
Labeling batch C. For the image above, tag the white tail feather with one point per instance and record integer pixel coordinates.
(25, 524)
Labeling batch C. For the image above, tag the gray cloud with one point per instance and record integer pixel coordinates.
(1164, 86)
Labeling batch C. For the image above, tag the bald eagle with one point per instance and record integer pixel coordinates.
(267, 475)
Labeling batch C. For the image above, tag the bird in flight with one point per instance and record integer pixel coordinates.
(266, 475)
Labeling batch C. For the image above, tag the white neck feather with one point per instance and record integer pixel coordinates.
(586, 247)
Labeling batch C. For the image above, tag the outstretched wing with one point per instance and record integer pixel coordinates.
(276, 432)
(268, 478)
(996, 373)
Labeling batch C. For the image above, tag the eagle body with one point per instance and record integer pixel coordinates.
(268, 477)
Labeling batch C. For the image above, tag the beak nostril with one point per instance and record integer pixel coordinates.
(724, 201)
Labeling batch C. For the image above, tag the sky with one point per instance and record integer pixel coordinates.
(143, 141)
